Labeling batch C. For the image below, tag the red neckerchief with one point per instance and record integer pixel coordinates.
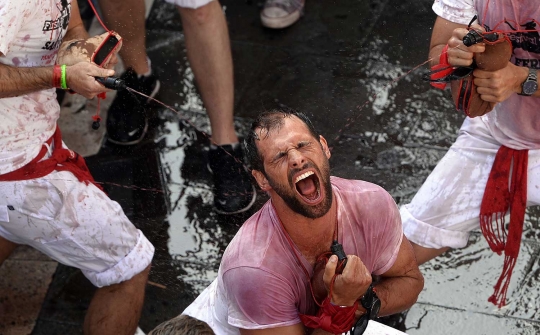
(61, 160)
(498, 198)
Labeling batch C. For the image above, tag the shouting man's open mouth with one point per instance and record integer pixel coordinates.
(308, 186)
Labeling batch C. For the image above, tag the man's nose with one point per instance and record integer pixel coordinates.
(296, 159)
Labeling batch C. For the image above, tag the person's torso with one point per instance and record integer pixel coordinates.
(31, 32)
(515, 122)
(261, 243)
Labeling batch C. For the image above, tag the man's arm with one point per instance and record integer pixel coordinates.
(400, 286)
(447, 32)
(17, 81)
(75, 30)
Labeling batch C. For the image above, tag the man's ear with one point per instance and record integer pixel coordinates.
(261, 180)
(324, 145)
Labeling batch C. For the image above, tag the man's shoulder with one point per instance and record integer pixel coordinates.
(250, 245)
(356, 186)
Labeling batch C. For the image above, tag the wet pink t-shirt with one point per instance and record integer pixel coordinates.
(260, 282)
(514, 122)
(30, 34)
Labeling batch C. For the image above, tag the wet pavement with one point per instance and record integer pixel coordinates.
(352, 67)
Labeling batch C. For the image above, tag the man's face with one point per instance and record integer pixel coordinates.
(296, 168)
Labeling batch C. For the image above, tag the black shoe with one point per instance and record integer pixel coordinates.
(127, 122)
(233, 191)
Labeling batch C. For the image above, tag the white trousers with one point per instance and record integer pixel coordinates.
(447, 206)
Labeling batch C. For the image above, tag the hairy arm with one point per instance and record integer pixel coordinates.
(16, 81)
(400, 286)
(75, 30)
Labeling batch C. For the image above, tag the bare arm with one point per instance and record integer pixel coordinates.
(17, 81)
(75, 28)
(447, 32)
(402, 283)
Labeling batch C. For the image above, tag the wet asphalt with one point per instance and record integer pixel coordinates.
(354, 68)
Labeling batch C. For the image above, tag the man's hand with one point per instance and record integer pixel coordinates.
(81, 50)
(458, 53)
(351, 284)
(497, 86)
(81, 79)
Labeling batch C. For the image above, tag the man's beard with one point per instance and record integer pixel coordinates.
(290, 197)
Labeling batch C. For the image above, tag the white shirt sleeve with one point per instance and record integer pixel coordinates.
(457, 11)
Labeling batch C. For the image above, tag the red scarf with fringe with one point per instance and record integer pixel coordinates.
(499, 196)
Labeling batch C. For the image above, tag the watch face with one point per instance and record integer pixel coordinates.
(529, 87)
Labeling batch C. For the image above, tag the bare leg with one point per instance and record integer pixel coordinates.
(116, 309)
(127, 18)
(209, 53)
(6, 248)
(424, 254)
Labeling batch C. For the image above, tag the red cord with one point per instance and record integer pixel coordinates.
(102, 95)
(97, 16)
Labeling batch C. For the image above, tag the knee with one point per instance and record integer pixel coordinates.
(202, 15)
(138, 281)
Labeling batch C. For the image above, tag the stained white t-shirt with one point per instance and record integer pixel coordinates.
(31, 32)
(514, 122)
(260, 282)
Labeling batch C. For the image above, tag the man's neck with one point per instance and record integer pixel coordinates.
(311, 236)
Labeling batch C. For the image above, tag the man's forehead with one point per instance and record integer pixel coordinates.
(288, 124)
(291, 130)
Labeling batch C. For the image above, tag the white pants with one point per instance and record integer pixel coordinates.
(447, 206)
(75, 224)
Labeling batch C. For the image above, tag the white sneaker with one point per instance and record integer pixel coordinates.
(279, 14)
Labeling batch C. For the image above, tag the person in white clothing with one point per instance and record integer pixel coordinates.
(467, 190)
(48, 198)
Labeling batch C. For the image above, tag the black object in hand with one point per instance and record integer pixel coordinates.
(337, 249)
(112, 83)
(474, 37)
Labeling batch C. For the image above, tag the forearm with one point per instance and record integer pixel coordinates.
(399, 293)
(435, 54)
(17, 81)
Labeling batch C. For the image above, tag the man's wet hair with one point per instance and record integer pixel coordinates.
(268, 121)
(183, 325)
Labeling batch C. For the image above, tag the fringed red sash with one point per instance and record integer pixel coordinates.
(61, 160)
(498, 198)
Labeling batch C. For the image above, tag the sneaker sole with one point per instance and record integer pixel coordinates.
(132, 142)
(282, 22)
(243, 209)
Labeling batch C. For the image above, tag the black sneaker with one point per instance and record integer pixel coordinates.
(233, 191)
(127, 122)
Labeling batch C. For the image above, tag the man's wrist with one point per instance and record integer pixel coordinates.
(522, 74)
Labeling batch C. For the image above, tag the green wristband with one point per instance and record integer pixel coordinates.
(63, 83)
